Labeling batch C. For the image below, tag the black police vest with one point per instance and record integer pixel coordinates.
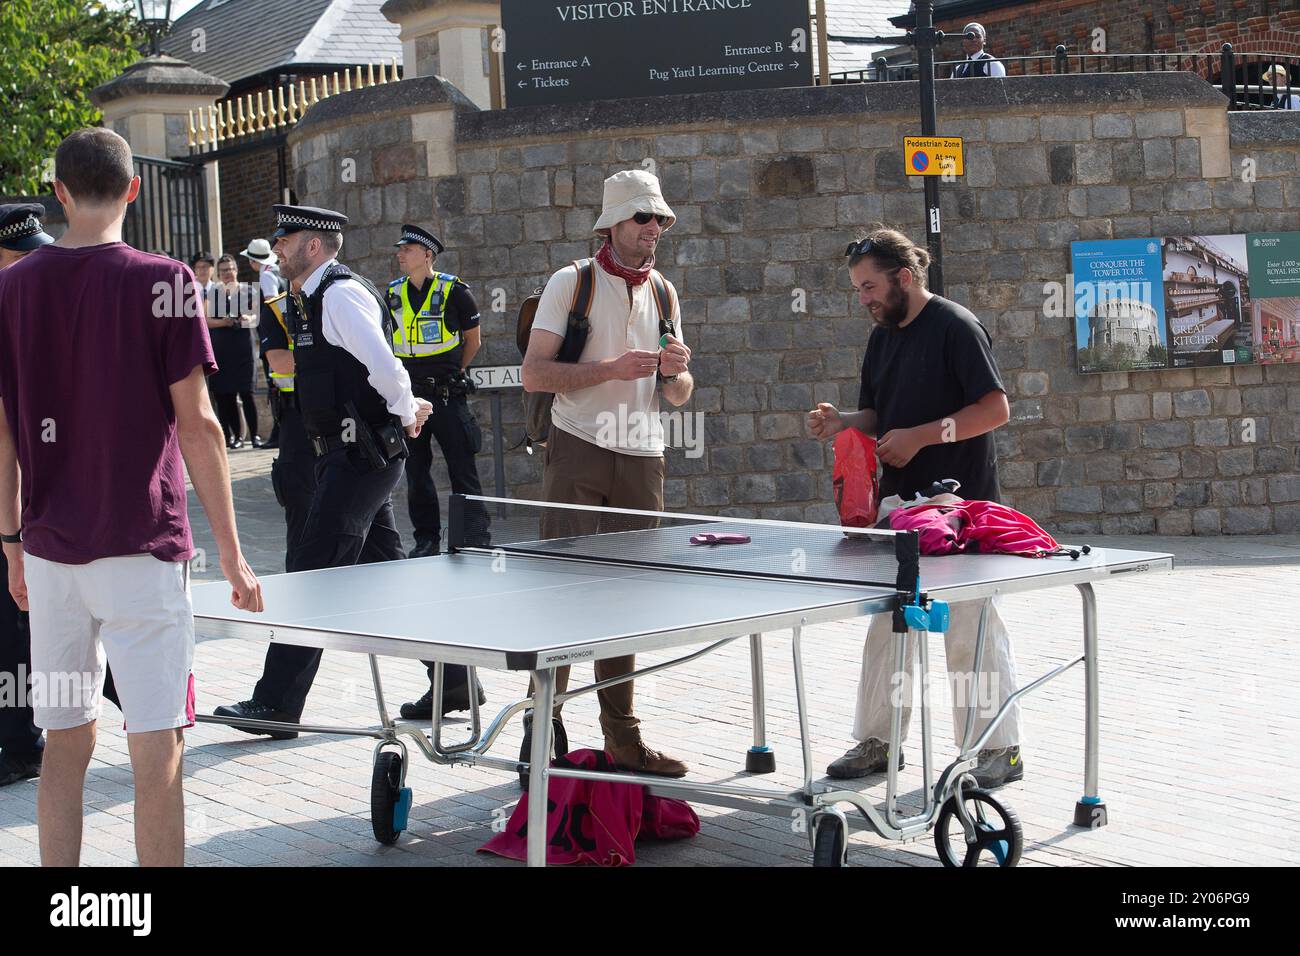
(326, 377)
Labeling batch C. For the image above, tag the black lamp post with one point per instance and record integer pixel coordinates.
(156, 16)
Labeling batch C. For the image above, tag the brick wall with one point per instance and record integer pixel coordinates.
(1029, 29)
(768, 190)
(250, 184)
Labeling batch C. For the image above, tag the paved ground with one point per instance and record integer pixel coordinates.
(1200, 719)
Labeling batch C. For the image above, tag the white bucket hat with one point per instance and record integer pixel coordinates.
(628, 193)
(259, 250)
(1278, 70)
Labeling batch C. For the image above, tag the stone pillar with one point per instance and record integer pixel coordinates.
(149, 105)
(448, 38)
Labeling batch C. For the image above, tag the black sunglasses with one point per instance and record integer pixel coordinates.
(859, 248)
(642, 218)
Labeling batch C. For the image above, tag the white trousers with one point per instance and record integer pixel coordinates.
(881, 685)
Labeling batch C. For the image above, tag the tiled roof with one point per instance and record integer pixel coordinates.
(861, 18)
(243, 38)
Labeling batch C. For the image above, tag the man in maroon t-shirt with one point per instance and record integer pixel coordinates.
(103, 355)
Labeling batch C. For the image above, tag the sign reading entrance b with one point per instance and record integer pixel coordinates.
(933, 156)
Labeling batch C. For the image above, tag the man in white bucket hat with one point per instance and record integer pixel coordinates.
(606, 442)
(264, 264)
(1283, 98)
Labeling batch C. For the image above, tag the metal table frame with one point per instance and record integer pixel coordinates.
(809, 801)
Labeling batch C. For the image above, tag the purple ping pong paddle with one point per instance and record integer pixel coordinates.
(712, 538)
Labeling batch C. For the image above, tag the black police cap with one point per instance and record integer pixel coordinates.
(20, 227)
(414, 234)
(290, 219)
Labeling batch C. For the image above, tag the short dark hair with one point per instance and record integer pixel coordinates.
(890, 249)
(94, 164)
(228, 258)
(202, 257)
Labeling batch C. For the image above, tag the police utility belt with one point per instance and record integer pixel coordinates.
(445, 387)
(380, 445)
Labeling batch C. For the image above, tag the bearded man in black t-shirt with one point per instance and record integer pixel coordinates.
(932, 396)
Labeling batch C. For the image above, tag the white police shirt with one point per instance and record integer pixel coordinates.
(351, 320)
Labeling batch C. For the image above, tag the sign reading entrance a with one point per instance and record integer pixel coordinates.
(933, 156)
(569, 52)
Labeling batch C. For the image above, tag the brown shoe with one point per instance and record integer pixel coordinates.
(639, 758)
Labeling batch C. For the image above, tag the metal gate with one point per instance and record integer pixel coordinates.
(170, 216)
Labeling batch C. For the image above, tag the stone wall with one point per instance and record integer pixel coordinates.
(769, 187)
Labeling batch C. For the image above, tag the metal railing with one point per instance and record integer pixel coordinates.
(232, 121)
(170, 216)
(1239, 75)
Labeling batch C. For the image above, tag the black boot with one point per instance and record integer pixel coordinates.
(559, 747)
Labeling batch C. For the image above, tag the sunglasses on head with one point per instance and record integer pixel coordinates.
(642, 218)
(860, 248)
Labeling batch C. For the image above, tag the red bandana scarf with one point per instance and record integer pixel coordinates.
(608, 261)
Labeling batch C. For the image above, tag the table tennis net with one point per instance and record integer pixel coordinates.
(774, 549)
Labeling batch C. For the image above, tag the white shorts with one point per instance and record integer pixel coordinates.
(135, 611)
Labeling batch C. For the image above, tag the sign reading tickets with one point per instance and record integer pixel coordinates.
(570, 52)
(933, 156)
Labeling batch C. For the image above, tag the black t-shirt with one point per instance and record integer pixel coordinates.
(462, 315)
(936, 366)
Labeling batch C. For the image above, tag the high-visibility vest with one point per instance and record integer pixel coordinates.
(423, 332)
(276, 304)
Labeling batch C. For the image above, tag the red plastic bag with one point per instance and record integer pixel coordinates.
(856, 479)
(983, 527)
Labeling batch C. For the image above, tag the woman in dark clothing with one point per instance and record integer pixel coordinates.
(232, 345)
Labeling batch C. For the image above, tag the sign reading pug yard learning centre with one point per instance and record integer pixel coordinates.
(569, 52)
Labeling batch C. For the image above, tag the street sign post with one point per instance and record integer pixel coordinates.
(495, 379)
(933, 156)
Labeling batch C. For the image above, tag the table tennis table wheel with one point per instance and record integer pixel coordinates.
(828, 841)
(997, 842)
(390, 802)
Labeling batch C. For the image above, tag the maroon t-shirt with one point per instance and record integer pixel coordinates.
(90, 341)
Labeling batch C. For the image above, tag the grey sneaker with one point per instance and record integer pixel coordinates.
(997, 767)
(866, 758)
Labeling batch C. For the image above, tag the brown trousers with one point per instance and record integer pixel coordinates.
(578, 472)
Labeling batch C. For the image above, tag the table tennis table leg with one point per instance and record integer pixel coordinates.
(539, 761)
(760, 758)
(1090, 812)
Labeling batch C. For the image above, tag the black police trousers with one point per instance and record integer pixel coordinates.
(19, 737)
(293, 475)
(349, 521)
(452, 424)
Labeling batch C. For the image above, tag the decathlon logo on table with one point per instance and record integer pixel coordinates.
(76, 909)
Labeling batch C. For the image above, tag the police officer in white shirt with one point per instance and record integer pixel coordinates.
(978, 62)
(355, 401)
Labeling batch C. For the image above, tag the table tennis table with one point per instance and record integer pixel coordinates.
(547, 602)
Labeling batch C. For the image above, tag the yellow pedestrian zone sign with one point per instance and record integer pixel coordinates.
(933, 156)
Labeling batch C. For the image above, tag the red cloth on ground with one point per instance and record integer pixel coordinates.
(595, 821)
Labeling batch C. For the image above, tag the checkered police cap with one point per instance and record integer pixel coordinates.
(414, 234)
(290, 219)
(20, 227)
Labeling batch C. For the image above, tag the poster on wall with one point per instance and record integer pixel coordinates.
(1206, 299)
(1274, 261)
(1186, 301)
(1118, 307)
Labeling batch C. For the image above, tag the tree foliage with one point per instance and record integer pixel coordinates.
(52, 54)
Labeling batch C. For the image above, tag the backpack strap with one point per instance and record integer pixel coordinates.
(585, 291)
(663, 302)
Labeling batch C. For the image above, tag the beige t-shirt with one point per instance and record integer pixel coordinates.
(623, 416)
